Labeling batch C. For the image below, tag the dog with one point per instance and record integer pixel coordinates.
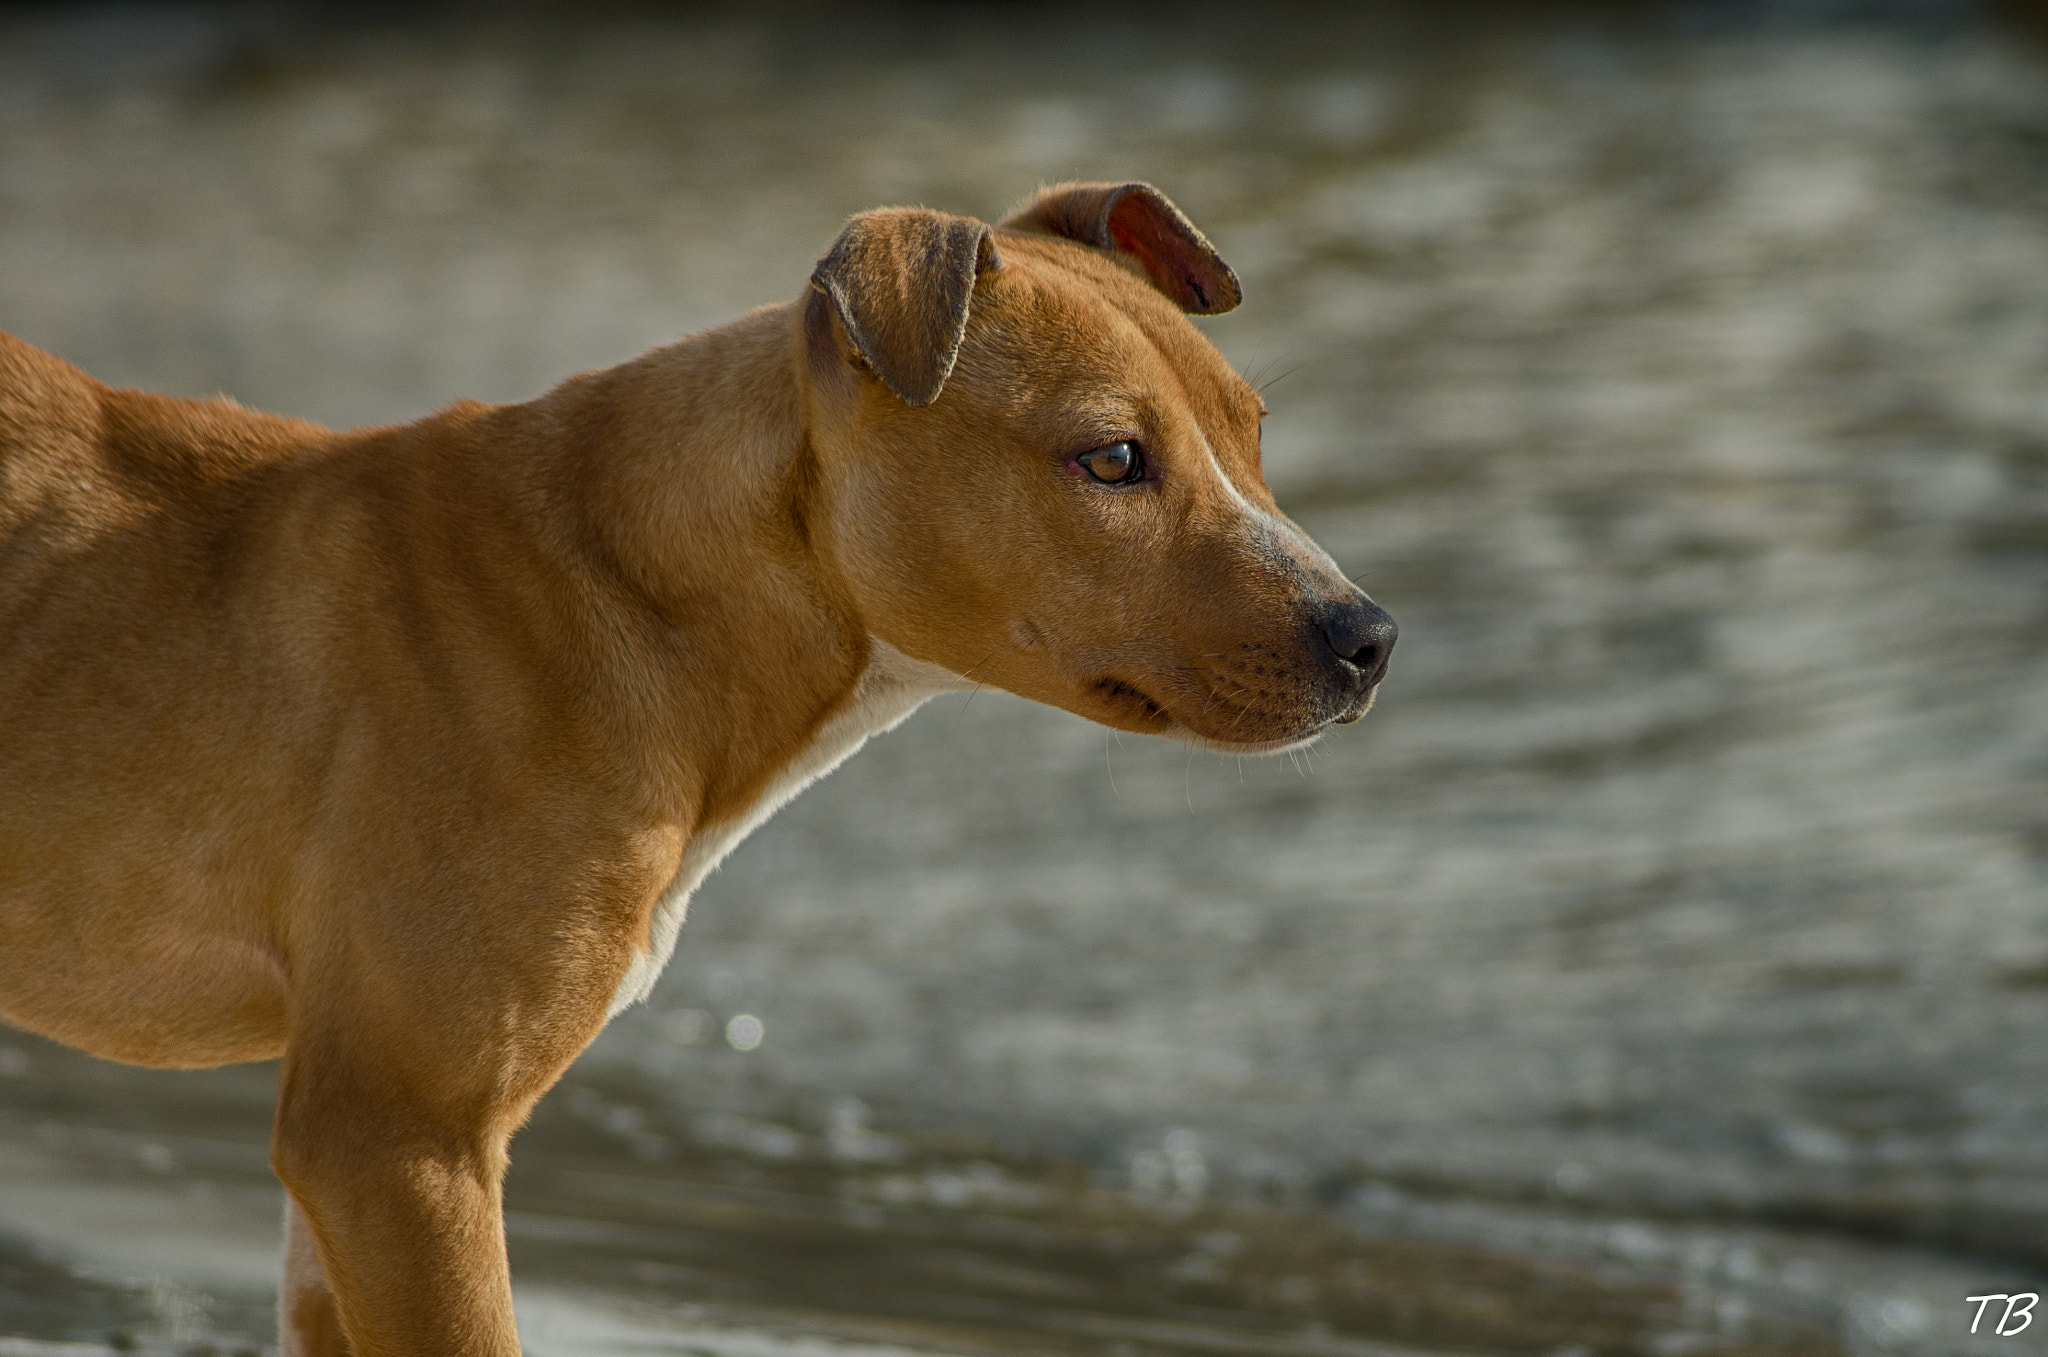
(397, 753)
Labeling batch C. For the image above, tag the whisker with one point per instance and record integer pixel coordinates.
(962, 709)
(1242, 712)
(1262, 387)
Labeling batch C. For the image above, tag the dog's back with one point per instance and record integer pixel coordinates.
(121, 522)
(80, 461)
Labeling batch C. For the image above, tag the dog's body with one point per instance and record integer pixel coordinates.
(397, 752)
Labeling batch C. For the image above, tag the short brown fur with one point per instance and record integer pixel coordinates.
(378, 750)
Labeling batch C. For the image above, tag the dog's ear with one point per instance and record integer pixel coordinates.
(901, 280)
(1137, 220)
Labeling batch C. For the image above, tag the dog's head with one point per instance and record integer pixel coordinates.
(1033, 471)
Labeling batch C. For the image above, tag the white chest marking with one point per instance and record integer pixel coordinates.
(893, 687)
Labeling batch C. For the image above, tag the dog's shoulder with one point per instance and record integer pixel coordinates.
(70, 444)
(45, 403)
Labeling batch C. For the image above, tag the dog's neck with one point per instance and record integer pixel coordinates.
(891, 687)
(685, 507)
(673, 491)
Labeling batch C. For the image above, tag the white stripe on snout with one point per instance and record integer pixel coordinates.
(1290, 539)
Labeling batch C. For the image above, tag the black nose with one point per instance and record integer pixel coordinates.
(1361, 633)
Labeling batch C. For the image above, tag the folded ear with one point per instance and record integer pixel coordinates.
(900, 280)
(1137, 220)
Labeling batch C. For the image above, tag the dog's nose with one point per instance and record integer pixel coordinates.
(1361, 633)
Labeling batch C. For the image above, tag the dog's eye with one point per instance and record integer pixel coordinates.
(1115, 464)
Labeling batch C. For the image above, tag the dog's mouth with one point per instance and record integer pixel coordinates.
(1128, 701)
(1138, 710)
(1363, 705)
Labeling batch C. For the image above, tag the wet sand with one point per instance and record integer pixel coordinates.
(144, 1218)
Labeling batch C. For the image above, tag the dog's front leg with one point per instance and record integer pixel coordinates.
(395, 1105)
(401, 1204)
(307, 1325)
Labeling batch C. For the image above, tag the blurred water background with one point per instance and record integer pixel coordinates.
(1661, 969)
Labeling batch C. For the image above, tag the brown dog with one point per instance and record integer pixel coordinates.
(398, 752)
